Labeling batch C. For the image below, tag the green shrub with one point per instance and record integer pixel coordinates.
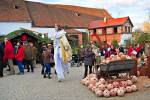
(115, 43)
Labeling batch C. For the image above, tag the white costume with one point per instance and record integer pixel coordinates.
(59, 53)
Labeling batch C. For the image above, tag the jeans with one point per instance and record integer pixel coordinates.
(47, 69)
(20, 66)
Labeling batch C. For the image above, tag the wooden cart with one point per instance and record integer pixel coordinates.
(115, 67)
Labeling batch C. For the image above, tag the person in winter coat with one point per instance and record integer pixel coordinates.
(51, 50)
(46, 55)
(1, 59)
(34, 52)
(130, 50)
(113, 50)
(19, 56)
(9, 55)
(41, 49)
(28, 57)
(88, 60)
(121, 49)
(137, 49)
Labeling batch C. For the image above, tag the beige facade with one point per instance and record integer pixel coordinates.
(127, 27)
(119, 29)
(99, 31)
(109, 30)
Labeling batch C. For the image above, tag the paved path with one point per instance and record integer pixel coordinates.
(32, 86)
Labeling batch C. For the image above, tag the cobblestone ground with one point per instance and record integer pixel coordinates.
(32, 86)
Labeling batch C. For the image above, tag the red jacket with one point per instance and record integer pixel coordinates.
(8, 51)
(130, 49)
(137, 49)
(20, 54)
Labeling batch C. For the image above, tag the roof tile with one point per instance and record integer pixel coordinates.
(91, 11)
(109, 22)
(13, 10)
(46, 16)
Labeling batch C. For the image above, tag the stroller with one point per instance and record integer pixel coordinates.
(75, 60)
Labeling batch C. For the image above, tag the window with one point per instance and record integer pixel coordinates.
(104, 31)
(115, 30)
(77, 14)
(129, 30)
(16, 7)
(126, 29)
(91, 31)
(98, 31)
(94, 30)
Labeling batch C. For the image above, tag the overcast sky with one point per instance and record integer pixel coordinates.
(137, 10)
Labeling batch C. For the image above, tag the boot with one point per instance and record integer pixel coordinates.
(49, 76)
(44, 75)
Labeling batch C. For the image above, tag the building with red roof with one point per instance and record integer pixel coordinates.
(41, 17)
(107, 30)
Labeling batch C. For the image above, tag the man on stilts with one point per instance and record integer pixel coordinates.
(62, 52)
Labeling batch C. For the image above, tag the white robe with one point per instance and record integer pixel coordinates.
(60, 67)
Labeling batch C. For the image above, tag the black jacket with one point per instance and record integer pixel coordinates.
(1, 51)
(89, 58)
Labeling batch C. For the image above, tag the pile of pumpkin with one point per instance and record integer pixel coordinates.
(112, 88)
(119, 56)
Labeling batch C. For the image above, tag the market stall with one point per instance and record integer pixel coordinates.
(25, 36)
(116, 76)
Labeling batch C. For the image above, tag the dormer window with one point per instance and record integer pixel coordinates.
(94, 31)
(77, 14)
(16, 7)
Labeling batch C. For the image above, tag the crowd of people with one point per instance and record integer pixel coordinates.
(93, 54)
(58, 53)
(24, 54)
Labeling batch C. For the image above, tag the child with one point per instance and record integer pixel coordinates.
(46, 60)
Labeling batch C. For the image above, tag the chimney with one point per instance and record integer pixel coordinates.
(105, 19)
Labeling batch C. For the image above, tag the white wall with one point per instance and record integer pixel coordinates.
(50, 31)
(83, 30)
(125, 37)
(7, 27)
